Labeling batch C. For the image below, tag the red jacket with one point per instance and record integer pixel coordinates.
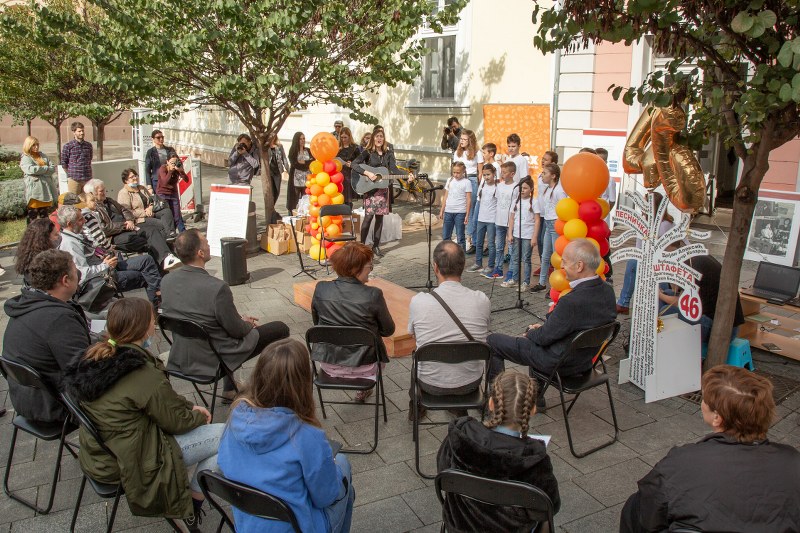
(168, 181)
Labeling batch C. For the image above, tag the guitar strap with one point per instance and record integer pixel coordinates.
(452, 315)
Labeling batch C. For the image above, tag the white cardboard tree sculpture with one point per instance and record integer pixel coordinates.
(678, 361)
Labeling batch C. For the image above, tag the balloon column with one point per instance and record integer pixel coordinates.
(584, 177)
(324, 186)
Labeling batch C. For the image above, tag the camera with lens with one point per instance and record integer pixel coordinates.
(178, 164)
(446, 130)
(241, 146)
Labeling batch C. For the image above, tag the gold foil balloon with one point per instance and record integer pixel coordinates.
(665, 161)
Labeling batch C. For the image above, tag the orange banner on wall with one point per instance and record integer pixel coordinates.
(530, 121)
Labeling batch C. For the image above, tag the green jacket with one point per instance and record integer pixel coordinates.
(136, 411)
(38, 179)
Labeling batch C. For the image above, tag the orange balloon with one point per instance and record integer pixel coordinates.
(326, 221)
(565, 291)
(596, 244)
(324, 146)
(561, 243)
(338, 164)
(560, 226)
(584, 176)
(315, 167)
(558, 280)
(333, 230)
(312, 199)
(601, 269)
(316, 190)
(555, 260)
(603, 206)
(313, 210)
(324, 199)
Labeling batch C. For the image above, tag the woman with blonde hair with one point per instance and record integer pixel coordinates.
(499, 448)
(274, 442)
(37, 171)
(154, 432)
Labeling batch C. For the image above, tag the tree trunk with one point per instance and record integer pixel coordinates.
(58, 136)
(744, 204)
(28, 127)
(100, 126)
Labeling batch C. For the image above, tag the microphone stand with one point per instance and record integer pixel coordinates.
(432, 195)
(520, 303)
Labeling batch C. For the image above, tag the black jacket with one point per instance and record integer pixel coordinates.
(348, 302)
(472, 447)
(719, 484)
(589, 305)
(46, 334)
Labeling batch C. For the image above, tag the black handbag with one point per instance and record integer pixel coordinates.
(155, 201)
(97, 293)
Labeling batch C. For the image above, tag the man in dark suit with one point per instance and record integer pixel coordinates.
(589, 304)
(191, 293)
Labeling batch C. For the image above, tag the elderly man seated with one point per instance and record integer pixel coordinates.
(132, 273)
(119, 223)
(590, 303)
(734, 478)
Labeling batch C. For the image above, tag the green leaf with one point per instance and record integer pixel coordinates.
(742, 22)
(785, 93)
(785, 54)
(795, 44)
(627, 99)
(768, 18)
(758, 28)
(663, 100)
(616, 92)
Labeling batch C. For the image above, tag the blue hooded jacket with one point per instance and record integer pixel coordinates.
(274, 451)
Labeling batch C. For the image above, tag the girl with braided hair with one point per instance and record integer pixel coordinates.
(500, 449)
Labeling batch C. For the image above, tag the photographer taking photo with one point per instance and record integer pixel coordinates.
(245, 161)
(451, 134)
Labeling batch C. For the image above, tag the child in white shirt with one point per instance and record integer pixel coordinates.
(487, 212)
(514, 144)
(506, 196)
(522, 219)
(468, 153)
(548, 198)
(456, 203)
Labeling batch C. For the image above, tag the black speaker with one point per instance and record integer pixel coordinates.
(234, 260)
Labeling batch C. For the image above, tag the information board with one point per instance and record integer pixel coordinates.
(227, 214)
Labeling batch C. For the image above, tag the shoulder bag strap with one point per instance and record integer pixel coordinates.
(452, 315)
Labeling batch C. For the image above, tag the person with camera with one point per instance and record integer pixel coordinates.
(245, 161)
(170, 175)
(451, 134)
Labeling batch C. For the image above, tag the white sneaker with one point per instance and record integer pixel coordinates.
(509, 283)
(474, 268)
(171, 262)
(524, 287)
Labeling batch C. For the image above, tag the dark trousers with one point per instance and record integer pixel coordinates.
(518, 350)
(293, 195)
(174, 203)
(154, 231)
(607, 259)
(267, 334)
(540, 241)
(165, 217)
(138, 272)
(376, 235)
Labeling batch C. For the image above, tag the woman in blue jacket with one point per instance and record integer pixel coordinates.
(274, 443)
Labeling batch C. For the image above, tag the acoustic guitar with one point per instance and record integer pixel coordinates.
(362, 184)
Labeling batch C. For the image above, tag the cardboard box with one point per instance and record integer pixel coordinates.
(300, 224)
(277, 240)
(356, 222)
(303, 241)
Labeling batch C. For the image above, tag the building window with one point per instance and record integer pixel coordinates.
(439, 68)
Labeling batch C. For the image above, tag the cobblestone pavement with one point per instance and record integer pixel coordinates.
(390, 496)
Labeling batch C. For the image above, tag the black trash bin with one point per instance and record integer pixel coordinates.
(234, 260)
(253, 244)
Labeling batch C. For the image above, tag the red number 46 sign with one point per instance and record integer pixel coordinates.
(690, 306)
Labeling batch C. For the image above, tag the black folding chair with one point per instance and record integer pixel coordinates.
(349, 336)
(448, 353)
(336, 210)
(189, 329)
(26, 376)
(104, 490)
(495, 492)
(599, 338)
(245, 498)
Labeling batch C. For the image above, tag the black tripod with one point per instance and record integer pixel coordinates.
(432, 196)
(520, 303)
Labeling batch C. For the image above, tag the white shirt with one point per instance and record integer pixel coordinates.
(471, 164)
(506, 195)
(576, 282)
(429, 322)
(529, 212)
(548, 199)
(488, 203)
(457, 190)
(522, 166)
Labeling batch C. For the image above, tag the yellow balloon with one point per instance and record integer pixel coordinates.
(316, 252)
(575, 229)
(596, 244)
(314, 225)
(601, 269)
(323, 178)
(325, 221)
(333, 230)
(314, 240)
(331, 189)
(604, 206)
(312, 199)
(338, 165)
(567, 209)
(338, 199)
(315, 167)
(555, 260)
(558, 280)
(309, 183)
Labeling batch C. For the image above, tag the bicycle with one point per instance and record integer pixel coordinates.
(416, 190)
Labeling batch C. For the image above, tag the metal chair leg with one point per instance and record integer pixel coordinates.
(321, 403)
(569, 432)
(77, 505)
(214, 399)
(383, 400)
(201, 394)
(114, 510)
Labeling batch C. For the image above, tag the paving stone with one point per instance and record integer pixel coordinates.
(605, 520)
(627, 417)
(652, 437)
(609, 456)
(431, 528)
(614, 484)
(401, 448)
(425, 505)
(91, 519)
(387, 516)
(363, 430)
(575, 502)
(384, 482)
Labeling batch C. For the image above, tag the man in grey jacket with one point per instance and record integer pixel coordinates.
(132, 273)
(245, 161)
(191, 293)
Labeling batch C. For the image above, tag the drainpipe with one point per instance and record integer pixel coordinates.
(556, 90)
